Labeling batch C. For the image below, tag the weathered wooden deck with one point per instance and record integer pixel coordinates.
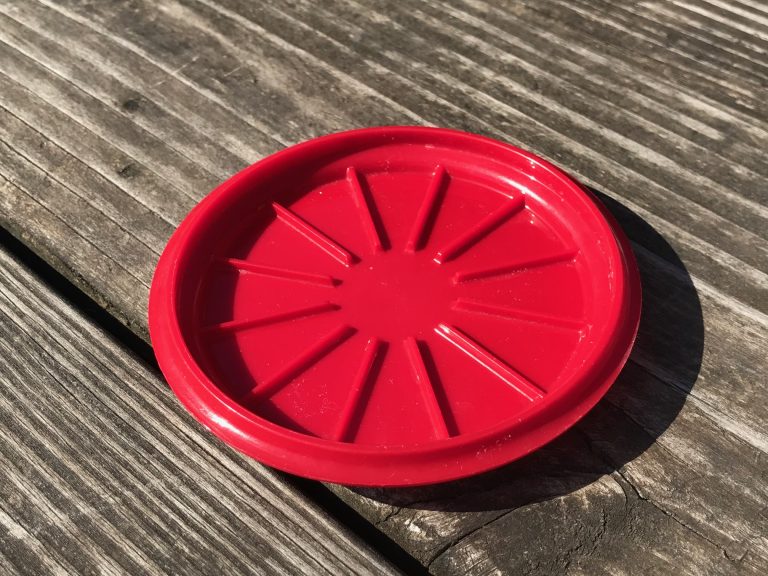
(117, 117)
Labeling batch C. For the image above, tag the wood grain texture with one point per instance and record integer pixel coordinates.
(115, 118)
(104, 472)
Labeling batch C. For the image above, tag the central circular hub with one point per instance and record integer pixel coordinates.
(394, 295)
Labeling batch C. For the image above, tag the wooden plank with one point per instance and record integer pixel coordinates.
(665, 118)
(102, 470)
(723, 263)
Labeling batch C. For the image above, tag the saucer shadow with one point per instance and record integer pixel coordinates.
(639, 407)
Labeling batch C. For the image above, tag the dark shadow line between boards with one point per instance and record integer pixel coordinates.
(319, 494)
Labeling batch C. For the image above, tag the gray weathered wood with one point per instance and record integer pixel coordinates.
(103, 472)
(116, 117)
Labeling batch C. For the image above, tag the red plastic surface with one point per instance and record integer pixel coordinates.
(394, 306)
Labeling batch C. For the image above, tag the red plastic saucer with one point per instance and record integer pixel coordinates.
(394, 306)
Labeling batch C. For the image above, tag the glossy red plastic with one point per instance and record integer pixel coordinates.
(394, 306)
